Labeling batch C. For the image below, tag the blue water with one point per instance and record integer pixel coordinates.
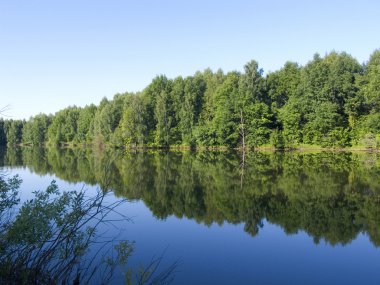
(226, 254)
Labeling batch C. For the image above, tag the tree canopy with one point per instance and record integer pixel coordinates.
(332, 101)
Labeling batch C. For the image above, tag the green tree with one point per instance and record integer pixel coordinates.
(191, 107)
(252, 107)
(3, 138)
(177, 96)
(331, 101)
(323, 101)
(133, 123)
(150, 94)
(372, 75)
(35, 131)
(204, 132)
(63, 128)
(107, 119)
(164, 115)
(56, 129)
(283, 84)
(13, 131)
(225, 121)
(85, 119)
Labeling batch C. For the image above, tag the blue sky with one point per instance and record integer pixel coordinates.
(74, 52)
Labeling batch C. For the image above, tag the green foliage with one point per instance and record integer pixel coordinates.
(225, 118)
(8, 196)
(372, 75)
(332, 101)
(370, 141)
(55, 131)
(55, 237)
(320, 122)
(277, 139)
(283, 84)
(332, 196)
(35, 131)
(338, 138)
(259, 121)
(194, 88)
(204, 132)
(164, 116)
(13, 131)
(252, 84)
(64, 126)
(3, 137)
(133, 125)
(159, 85)
(85, 119)
(291, 118)
(107, 119)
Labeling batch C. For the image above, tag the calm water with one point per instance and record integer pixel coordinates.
(272, 218)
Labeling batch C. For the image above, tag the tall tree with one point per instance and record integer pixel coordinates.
(150, 94)
(177, 96)
(164, 115)
(3, 138)
(85, 119)
(36, 129)
(13, 131)
(251, 106)
(226, 120)
(191, 107)
(133, 123)
(204, 132)
(283, 84)
(372, 88)
(107, 120)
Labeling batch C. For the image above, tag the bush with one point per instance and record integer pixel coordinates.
(277, 139)
(369, 141)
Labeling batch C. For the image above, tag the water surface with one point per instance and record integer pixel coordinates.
(265, 218)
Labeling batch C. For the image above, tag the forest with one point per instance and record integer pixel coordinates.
(332, 102)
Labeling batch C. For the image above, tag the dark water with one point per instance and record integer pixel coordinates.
(270, 218)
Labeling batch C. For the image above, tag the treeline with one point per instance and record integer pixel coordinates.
(332, 101)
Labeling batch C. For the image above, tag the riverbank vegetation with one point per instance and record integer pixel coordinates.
(59, 237)
(332, 101)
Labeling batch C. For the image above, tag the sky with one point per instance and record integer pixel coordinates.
(55, 54)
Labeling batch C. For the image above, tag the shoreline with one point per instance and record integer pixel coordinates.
(203, 148)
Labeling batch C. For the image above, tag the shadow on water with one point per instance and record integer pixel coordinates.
(331, 196)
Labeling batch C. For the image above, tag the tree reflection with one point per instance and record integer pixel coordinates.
(331, 196)
(55, 238)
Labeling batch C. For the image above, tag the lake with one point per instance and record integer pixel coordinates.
(226, 218)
